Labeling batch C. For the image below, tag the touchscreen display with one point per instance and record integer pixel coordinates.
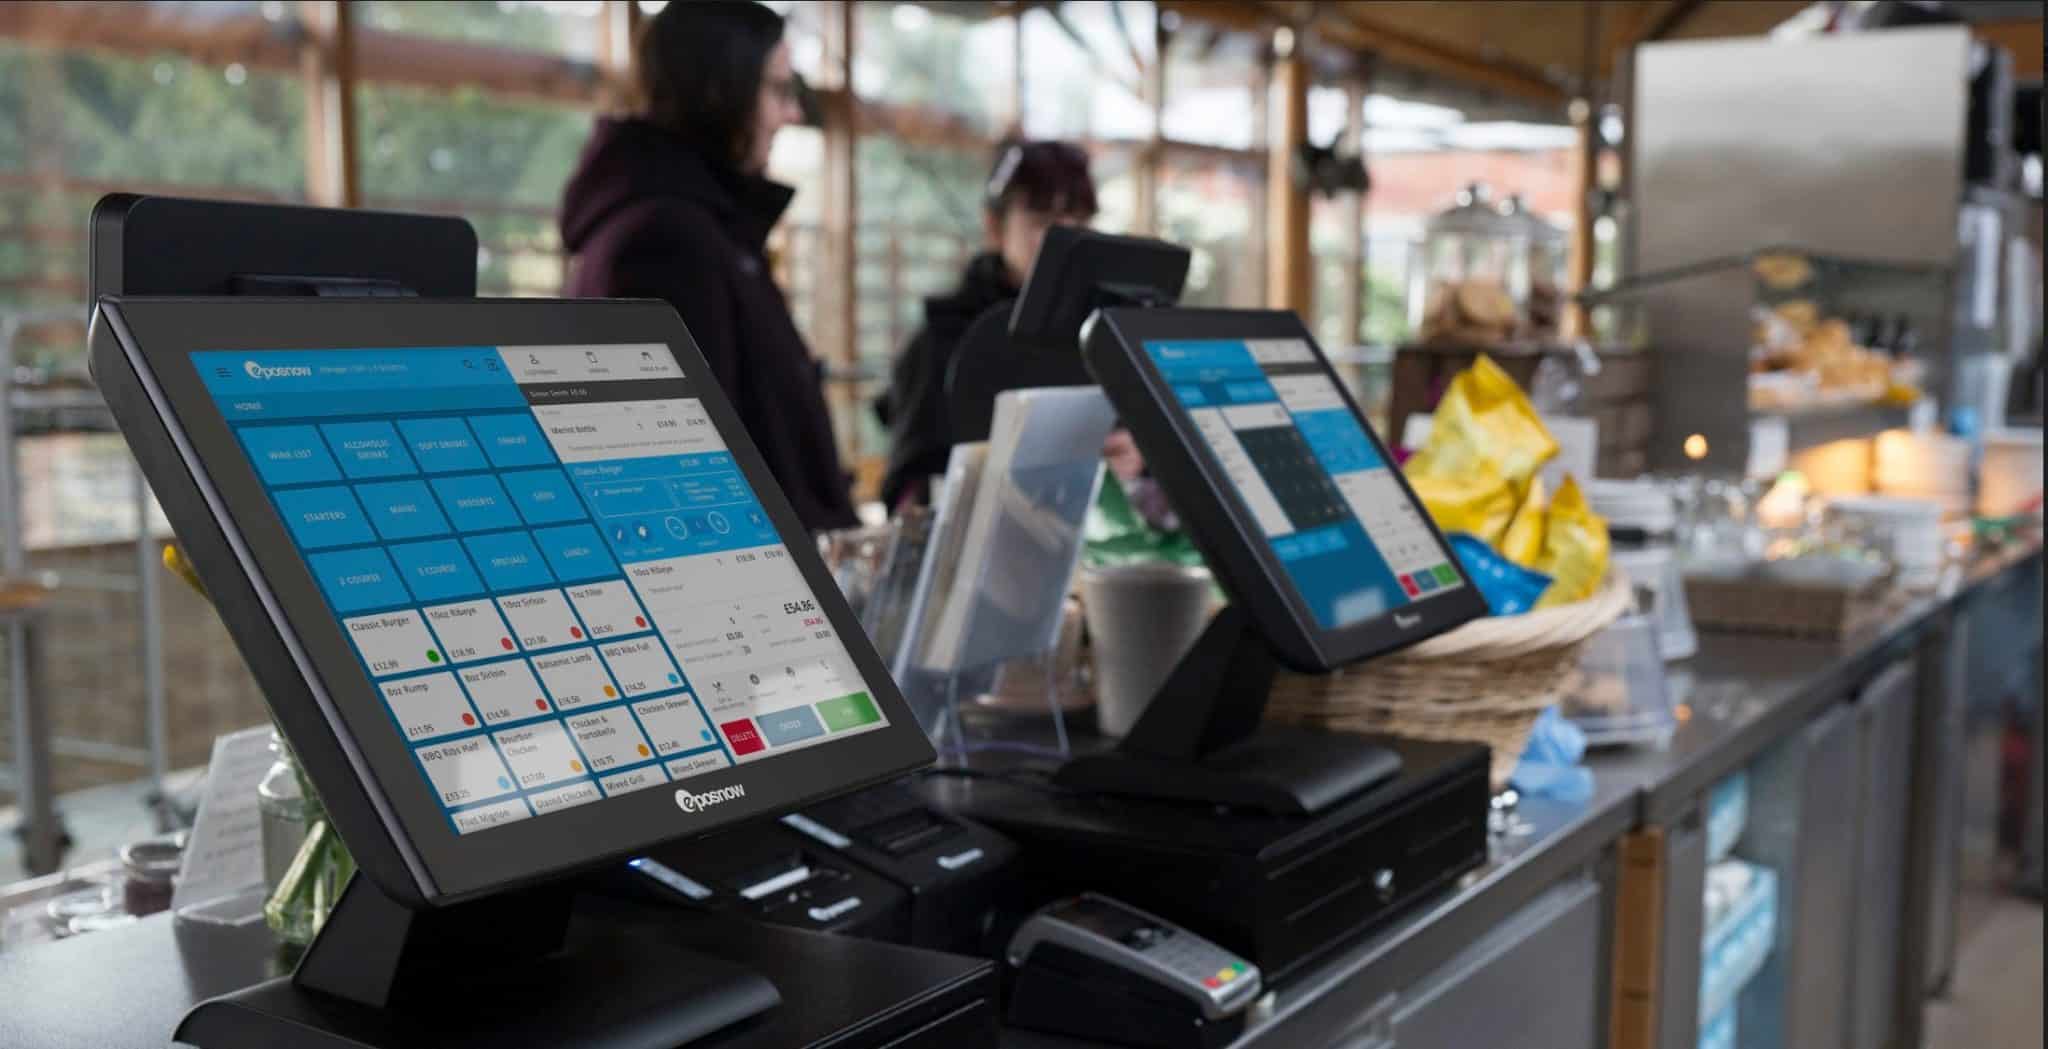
(1352, 542)
(555, 575)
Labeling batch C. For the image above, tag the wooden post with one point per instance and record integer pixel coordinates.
(1583, 246)
(840, 219)
(327, 62)
(618, 21)
(1258, 247)
(1290, 283)
(1152, 155)
(1013, 121)
(1638, 940)
(1585, 118)
(1360, 260)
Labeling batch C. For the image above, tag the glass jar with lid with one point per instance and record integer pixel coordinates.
(1468, 273)
(1543, 307)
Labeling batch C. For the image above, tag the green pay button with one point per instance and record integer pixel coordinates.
(848, 712)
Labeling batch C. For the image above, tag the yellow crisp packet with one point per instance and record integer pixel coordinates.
(1484, 418)
(1575, 548)
(1523, 543)
(1478, 501)
(175, 560)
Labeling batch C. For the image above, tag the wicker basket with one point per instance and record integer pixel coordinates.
(1484, 682)
(1763, 606)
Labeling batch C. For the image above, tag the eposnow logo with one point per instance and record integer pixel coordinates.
(1407, 622)
(289, 371)
(689, 802)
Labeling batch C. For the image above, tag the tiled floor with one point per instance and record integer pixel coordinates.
(1994, 999)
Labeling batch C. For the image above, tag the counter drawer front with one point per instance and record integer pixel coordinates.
(1533, 983)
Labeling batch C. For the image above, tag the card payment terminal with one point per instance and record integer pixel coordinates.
(1091, 966)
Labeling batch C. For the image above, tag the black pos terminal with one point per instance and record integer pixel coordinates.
(525, 602)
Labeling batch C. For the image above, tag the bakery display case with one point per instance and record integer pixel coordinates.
(1765, 354)
(1470, 278)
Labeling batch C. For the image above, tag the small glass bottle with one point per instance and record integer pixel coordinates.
(287, 810)
(305, 864)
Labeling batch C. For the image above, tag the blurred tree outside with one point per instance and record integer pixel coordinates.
(75, 125)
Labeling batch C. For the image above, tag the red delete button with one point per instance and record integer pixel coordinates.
(740, 735)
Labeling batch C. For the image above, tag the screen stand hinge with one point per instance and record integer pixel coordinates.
(1202, 738)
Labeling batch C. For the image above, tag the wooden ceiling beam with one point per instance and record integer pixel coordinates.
(1622, 28)
(1671, 18)
(381, 55)
(1347, 26)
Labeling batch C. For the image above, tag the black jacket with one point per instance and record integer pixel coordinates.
(914, 409)
(648, 216)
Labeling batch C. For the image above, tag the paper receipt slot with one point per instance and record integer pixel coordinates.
(525, 602)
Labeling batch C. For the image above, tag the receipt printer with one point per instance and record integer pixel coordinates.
(771, 873)
(951, 868)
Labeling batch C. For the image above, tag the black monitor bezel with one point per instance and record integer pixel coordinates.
(294, 634)
(1113, 344)
(1072, 271)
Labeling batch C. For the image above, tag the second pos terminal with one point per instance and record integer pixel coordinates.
(1277, 843)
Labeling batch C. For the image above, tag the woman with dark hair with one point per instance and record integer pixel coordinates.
(1033, 187)
(671, 203)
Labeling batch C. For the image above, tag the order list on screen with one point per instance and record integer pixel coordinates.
(1352, 542)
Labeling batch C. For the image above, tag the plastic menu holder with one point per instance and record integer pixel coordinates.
(887, 613)
(221, 879)
(1619, 694)
(1002, 557)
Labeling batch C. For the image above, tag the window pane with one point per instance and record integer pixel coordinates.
(499, 163)
(1212, 79)
(919, 221)
(1116, 188)
(1331, 242)
(1386, 299)
(797, 245)
(1081, 78)
(906, 54)
(803, 26)
(76, 125)
(1210, 204)
(1326, 114)
(566, 27)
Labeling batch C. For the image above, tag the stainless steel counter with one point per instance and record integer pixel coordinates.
(1746, 693)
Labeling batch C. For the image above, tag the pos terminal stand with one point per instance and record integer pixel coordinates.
(1201, 739)
(465, 923)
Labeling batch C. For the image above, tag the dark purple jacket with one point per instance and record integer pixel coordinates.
(647, 216)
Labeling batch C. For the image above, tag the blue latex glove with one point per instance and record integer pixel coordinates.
(1509, 589)
(1550, 763)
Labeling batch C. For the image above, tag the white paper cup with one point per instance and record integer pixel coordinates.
(1141, 619)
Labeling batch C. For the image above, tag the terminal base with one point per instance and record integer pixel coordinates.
(1202, 738)
(1279, 769)
(381, 977)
